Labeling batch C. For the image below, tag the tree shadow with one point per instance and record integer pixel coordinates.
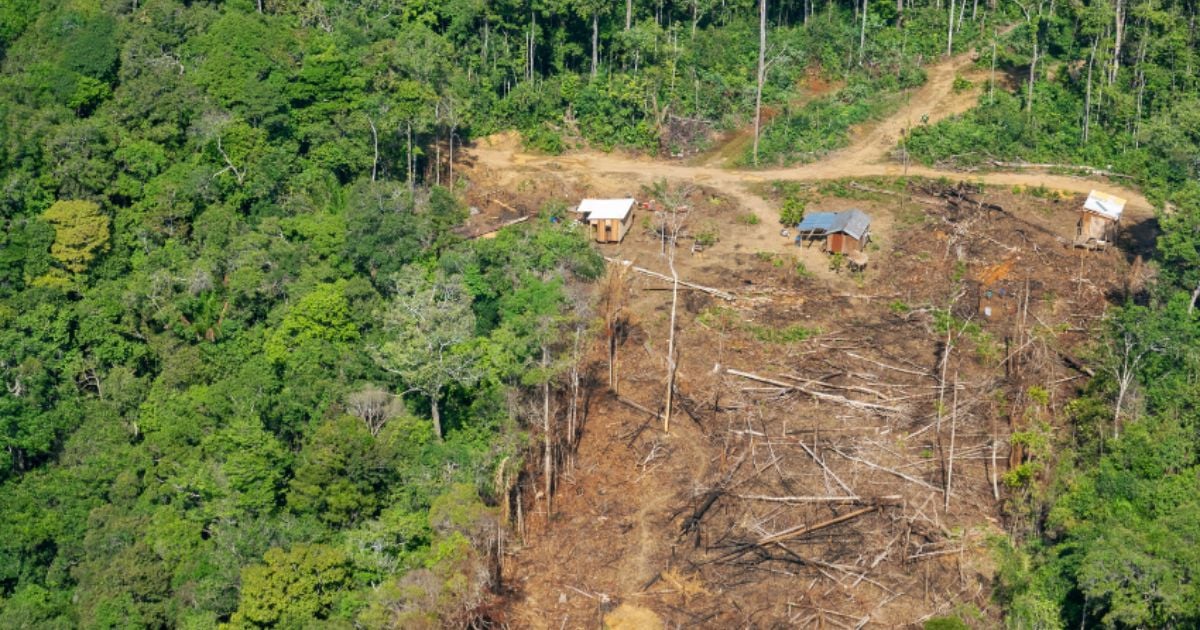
(1139, 239)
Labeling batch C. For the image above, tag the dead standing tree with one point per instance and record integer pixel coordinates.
(671, 220)
(762, 73)
(581, 318)
(374, 406)
(1124, 359)
(614, 300)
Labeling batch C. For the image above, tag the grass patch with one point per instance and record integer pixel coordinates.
(707, 236)
(805, 134)
(787, 334)
(723, 318)
(910, 215)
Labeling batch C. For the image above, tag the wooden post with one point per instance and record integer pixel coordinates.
(762, 70)
(549, 461)
(953, 427)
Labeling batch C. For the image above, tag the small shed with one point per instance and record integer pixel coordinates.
(1099, 219)
(608, 218)
(844, 232)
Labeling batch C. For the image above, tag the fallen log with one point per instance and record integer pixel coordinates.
(880, 191)
(890, 499)
(934, 554)
(890, 367)
(889, 470)
(496, 229)
(639, 407)
(692, 522)
(841, 400)
(1076, 364)
(724, 295)
(849, 388)
(506, 206)
(1072, 167)
(821, 463)
(800, 530)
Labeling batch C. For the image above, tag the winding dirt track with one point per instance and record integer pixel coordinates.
(867, 155)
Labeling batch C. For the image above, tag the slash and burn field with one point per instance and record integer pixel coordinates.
(844, 446)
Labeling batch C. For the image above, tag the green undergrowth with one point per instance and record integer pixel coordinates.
(806, 134)
(727, 319)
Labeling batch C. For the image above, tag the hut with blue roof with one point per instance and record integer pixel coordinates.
(845, 232)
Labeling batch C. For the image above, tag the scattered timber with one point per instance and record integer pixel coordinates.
(1076, 168)
(880, 191)
(890, 499)
(885, 469)
(834, 398)
(640, 407)
(492, 232)
(724, 295)
(800, 530)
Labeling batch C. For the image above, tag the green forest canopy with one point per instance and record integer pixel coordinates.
(218, 216)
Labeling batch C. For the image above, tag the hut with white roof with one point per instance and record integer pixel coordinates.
(608, 218)
(1099, 219)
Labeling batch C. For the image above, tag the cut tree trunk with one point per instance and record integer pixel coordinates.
(437, 416)
(950, 32)
(762, 62)
(1032, 74)
(375, 143)
(671, 340)
(1087, 99)
(595, 43)
(724, 295)
(862, 33)
(549, 443)
(1119, 28)
(800, 530)
(412, 184)
(953, 429)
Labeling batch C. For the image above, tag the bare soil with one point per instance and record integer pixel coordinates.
(733, 145)
(812, 493)
(857, 415)
(501, 161)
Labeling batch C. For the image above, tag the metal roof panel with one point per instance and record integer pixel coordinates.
(852, 222)
(600, 209)
(1104, 204)
(816, 221)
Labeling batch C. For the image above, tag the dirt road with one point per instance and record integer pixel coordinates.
(867, 155)
(617, 536)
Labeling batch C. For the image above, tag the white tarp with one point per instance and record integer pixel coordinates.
(1105, 205)
(600, 209)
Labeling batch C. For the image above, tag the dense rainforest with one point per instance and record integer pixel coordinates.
(253, 376)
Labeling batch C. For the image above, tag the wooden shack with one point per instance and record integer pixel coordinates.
(609, 219)
(1099, 219)
(846, 232)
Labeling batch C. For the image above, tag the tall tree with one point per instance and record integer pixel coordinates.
(428, 326)
(673, 217)
(80, 233)
(762, 73)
